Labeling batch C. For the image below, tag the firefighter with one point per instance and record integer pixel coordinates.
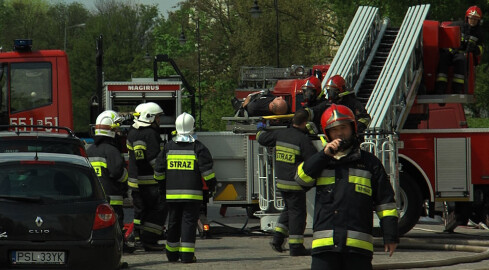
(107, 161)
(349, 183)
(182, 163)
(143, 144)
(471, 42)
(340, 95)
(292, 146)
(313, 103)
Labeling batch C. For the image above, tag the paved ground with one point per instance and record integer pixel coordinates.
(237, 243)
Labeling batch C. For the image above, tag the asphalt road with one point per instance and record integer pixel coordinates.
(237, 243)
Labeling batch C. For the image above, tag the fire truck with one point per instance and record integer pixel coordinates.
(391, 70)
(36, 87)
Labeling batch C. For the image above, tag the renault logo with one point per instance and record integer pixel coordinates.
(39, 221)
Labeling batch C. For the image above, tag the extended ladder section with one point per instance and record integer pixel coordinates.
(396, 87)
(356, 45)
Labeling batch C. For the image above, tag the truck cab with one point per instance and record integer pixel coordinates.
(35, 86)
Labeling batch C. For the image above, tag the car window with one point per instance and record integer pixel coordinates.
(54, 182)
(17, 145)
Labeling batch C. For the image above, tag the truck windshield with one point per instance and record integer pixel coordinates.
(30, 86)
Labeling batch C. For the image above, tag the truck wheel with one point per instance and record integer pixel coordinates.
(411, 204)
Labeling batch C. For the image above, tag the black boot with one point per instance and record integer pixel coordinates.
(440, 88)
(299, 250)
(278, 242)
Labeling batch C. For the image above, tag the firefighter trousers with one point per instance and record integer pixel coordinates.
(182, 225)
(459, 62)
(153, 214)
(340, 261)
(292, 220)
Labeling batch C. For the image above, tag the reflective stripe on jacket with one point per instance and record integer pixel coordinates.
(292, 146)
(182, 166)
(347, 190)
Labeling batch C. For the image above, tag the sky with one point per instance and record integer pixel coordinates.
(163, 5)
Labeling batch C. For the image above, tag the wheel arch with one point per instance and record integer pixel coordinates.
(410, 167)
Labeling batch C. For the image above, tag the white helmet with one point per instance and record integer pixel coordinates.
(106, 124)
(185, 127)
(138, 110)
(148, 113)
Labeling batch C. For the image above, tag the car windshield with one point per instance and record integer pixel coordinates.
(47, 183)
(46, 146)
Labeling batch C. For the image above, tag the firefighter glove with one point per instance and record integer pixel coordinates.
(471, 46)
(261, 126)
(211, 185)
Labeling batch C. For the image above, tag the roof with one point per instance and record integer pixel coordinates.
(31, 156)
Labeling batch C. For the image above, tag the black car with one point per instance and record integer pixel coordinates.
(54, 214)
(31, 138)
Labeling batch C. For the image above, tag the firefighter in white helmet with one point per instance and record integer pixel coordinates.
(107, 161)
(143, 144)
(183, 163)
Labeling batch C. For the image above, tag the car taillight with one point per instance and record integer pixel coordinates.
(104, 217)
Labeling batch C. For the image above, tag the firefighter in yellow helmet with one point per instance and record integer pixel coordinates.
(182, 165)
(143, 144)
(349, 183)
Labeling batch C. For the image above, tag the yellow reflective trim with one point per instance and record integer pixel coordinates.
(129, 147)
(359, 180)
(289, 187)
(284, 157)
(363, 189)
(140, 147)
(99, 164)
(187, 249)
(442, 79)
(387, 213)
(147, 182)
(210, 176)
(458, 80)
(323, 181)
(183, 197)
(180, 157)
(160, 177)
(287, 149)
(133, 185)
(322, 242)
(324, 142)
(281, 230)
(137, 221)
(182, 164)
(359, 244)
(302, 175)
(116, 202)
(172, 249)
(296, 241)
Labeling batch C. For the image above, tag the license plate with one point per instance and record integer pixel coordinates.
(38, 257)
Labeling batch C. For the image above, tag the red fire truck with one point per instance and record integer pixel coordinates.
(36, 87)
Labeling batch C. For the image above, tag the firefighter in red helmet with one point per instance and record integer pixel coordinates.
(349, 183)
(339, 94)
(313, 103)
(470, 44)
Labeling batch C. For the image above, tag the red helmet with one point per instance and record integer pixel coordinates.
(473, 11)
(336, 115)
(313, 82)
(335, 85)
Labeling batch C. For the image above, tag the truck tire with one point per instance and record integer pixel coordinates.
(411, 203)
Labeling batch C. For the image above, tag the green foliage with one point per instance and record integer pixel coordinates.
(478, 122)
(227, 37)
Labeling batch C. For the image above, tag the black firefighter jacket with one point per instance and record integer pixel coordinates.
(347, 192)
(144, 145)
(110, 168)
(182, 166)
(292, 147)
